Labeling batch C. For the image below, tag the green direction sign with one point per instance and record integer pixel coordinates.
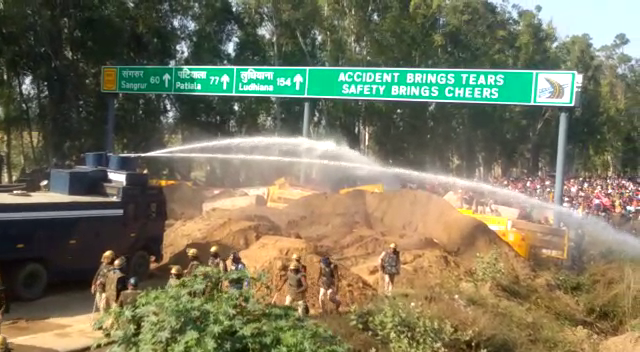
(550, 88)
(271, 81)
(203, 80)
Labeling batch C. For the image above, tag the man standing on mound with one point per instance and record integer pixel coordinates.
(389, 262)
(328, 279)
(297, 289)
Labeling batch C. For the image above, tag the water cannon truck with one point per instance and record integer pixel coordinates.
(59, 233)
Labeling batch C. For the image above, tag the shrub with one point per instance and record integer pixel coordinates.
(405, 327)
(192, 317)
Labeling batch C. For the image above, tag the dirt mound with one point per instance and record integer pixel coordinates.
(629, 342)
(214, 227)
(272, 254)
(420, 269)
(413, 219)
(352, 228)
(183, 201)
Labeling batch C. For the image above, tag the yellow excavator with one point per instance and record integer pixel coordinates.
(164, 183)
(528, 239)
(282, 193)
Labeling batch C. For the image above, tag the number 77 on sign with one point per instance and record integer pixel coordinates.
(224, 79)
(204, 80)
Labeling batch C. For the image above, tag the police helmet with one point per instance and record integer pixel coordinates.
(214, 249)
(119, 263)
(192, 252)
(295, 256)
(108, 255)
(393, 246)
(133, 281)
(176, 270)
(294, 266)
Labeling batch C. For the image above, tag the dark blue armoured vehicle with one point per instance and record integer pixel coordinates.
(59, 234)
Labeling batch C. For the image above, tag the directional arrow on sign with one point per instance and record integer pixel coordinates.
(225, 80)
(166, 78)
(297, 79)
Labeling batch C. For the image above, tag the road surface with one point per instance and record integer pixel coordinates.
(60, 321)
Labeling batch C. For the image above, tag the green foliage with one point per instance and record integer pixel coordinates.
(405, 327)
(488, 267)
(192, 316)
(571, 283)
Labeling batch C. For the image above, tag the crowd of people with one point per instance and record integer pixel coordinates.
(585, 195)
(615, 199)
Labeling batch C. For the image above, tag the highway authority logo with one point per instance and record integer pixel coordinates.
(554, 88)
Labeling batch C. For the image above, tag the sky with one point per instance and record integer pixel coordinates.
(602, 20)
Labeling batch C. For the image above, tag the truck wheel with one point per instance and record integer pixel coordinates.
(140, 265)
(29, 281)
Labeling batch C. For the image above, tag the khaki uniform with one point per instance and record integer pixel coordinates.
(5, 306)
(218, 263)
(297, 292)
(128, 297)
(115, 284)
(172, 281)
(193, 265)
(99, 282)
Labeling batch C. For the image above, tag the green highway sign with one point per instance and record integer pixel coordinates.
(544, 88)
(271, 81)
(203, 80)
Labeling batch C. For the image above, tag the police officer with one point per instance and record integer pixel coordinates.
(215, 261)
(5, 305)
(298, 259)
(238, 265)
(328, 281)
(297, 289)
(389, 262)
(176, 276)
(99, 279)
(130, 296)
(4, 344)
(194, 261)
(116, 282)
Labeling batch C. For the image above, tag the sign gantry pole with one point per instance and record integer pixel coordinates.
(561, 152)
